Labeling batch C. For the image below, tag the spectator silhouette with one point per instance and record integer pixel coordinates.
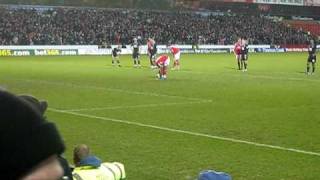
(30, 145)
(41, 106)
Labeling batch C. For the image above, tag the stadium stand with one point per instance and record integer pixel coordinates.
(142, 4)
(78, 26)
(308, 26)
(265, 9)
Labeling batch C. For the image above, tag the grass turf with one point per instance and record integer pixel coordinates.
(274, 103)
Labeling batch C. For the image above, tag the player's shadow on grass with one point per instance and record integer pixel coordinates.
(127, 67)
(184, 69)
(301, 72)
(233, 68)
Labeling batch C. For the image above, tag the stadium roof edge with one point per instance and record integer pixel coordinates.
(25, 6)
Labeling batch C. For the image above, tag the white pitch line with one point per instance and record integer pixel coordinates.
(188, 132)
(279, 78)
(2, 87)
(134, 106)
(113, 89)
(255, 76)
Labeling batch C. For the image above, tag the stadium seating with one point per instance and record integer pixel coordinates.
(265, 9)
(88, 26)
(312, 26)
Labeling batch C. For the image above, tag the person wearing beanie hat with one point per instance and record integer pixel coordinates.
(29, 144)
(41, 106)
(38, 105)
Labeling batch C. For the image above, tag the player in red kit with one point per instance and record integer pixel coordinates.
(162, 63)
(176, 55)
(237, 52)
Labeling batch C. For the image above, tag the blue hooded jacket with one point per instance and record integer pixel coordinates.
(91, 161)
(213, 175)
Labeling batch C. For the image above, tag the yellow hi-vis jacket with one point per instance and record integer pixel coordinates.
(107, 171)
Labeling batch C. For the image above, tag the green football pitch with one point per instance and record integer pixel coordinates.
(257, 125)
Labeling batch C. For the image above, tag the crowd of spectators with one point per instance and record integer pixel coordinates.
(266, 9)
(85, 26)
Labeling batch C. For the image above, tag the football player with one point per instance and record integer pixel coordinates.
(152, 51)
(237, 52)
(162, 62)
(244, 54)
(176, 55)
(136, 53)
(312, 58)
(115, 56)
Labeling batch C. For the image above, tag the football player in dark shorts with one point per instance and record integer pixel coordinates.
(312, 58)
(244, 54)
(115, 56)
(152, 51)
(136, 54)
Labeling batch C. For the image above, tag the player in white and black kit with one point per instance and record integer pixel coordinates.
(244, 54)
(152, 52)
(312, 58)
(115, 56)
(136, 54)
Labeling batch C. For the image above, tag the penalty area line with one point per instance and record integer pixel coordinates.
(257, 76)
(74, 85)
(187, 132)
(135, 106)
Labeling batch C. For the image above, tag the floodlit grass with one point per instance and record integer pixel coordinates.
(177, 123)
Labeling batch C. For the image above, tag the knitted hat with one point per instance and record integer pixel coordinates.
(26, 139)
(40, 106)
